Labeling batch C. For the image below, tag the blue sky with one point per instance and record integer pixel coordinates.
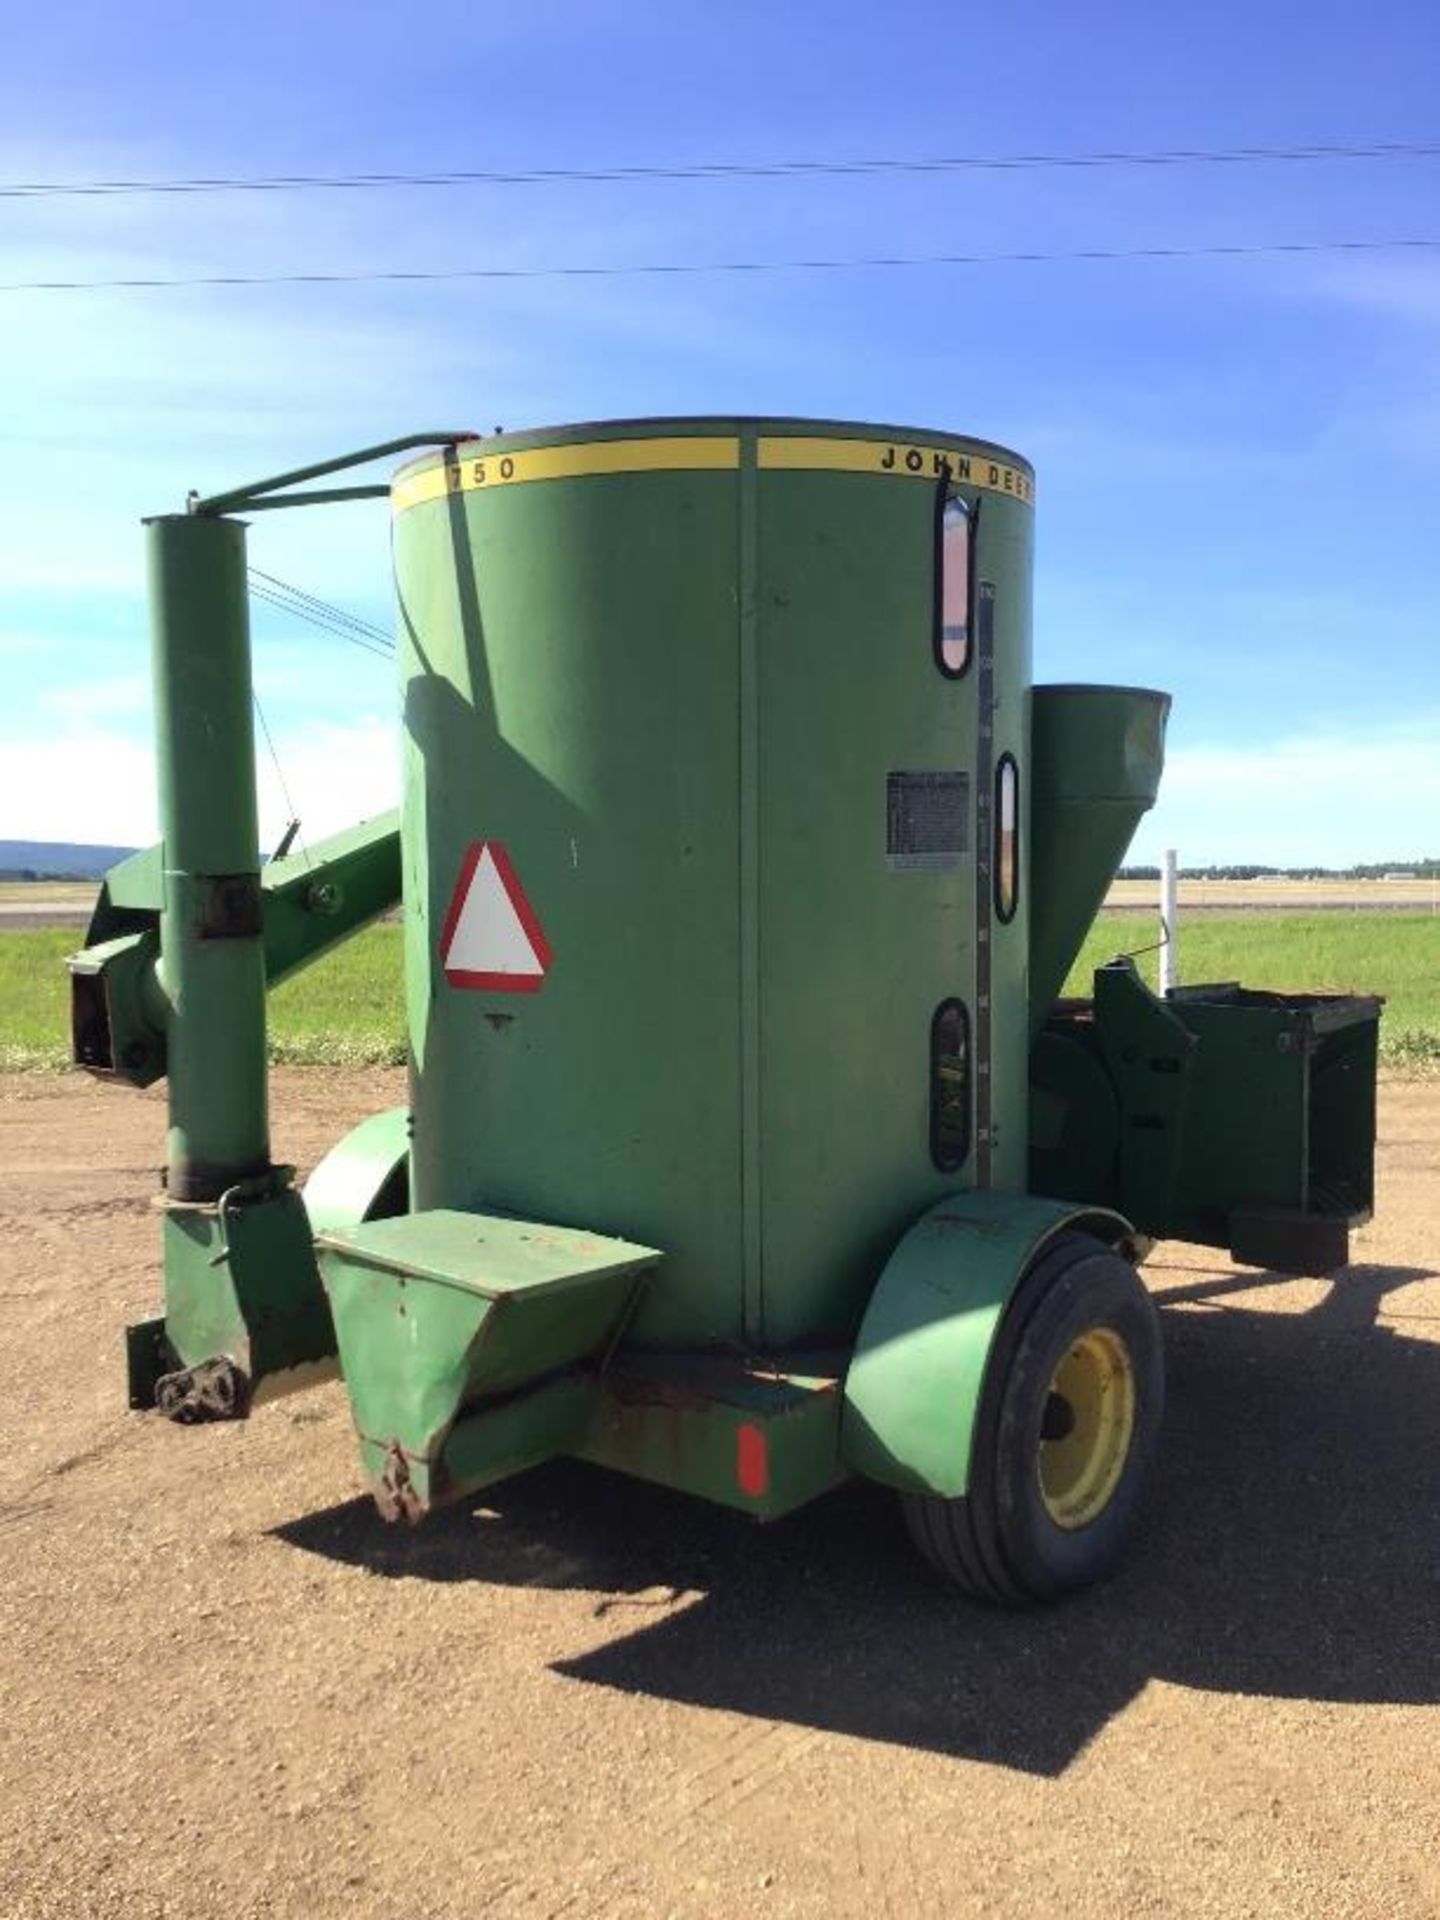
(1239, 461)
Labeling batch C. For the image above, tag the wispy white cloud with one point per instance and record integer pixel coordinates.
(1399, 286)
(124, 400)
(1324, 798)
(118, 402)
(91, 781)
(113, 697)
(87, 783)
(1351, 794)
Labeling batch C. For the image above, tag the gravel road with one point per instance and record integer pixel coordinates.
(229, 1691)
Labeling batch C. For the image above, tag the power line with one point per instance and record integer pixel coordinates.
(293, 828)
(691, 268)
(284, 592)
(325, 626)
(331, 623)
(330, 619)
(716, 170)
(318, 613)
(366, 628)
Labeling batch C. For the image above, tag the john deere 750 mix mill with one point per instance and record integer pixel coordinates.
(749, 1144)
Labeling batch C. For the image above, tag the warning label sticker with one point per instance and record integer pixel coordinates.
(492, 938)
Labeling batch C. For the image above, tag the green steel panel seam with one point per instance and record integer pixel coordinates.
(751, 1008)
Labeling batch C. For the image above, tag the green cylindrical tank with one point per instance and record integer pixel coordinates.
(714, 843)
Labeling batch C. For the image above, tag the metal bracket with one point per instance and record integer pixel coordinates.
(230, 907)
(215, 1390)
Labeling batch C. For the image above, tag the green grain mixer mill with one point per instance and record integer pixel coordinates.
(749, 1144)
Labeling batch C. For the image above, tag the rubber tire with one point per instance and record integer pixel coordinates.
(998, 1543)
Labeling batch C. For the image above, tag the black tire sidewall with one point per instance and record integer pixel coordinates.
(1099, 1289)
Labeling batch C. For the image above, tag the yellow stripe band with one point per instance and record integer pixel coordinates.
(905, 459)
(475, 472)
(479, 472)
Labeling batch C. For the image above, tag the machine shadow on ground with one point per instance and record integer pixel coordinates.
(1294, 1550)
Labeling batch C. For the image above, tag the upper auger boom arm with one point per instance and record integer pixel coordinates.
(309, 902)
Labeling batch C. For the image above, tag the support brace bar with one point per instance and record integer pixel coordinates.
(238, 499)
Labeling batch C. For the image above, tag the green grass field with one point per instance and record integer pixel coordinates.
(346, 1009)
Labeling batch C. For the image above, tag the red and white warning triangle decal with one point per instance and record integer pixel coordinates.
(492, 938)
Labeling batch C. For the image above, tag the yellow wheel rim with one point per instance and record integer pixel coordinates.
(1088, 1426)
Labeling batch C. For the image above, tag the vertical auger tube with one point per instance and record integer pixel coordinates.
(213, 964)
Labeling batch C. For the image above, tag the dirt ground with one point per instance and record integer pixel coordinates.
(228, 1690)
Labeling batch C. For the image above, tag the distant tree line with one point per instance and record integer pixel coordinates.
(1372, 870)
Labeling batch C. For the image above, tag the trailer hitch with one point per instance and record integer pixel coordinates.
(215, 1390)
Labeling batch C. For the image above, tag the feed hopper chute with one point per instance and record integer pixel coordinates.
(740, 868)
(1098, 753)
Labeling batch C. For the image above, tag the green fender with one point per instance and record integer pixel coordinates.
(365, 1176)
(914, 1383)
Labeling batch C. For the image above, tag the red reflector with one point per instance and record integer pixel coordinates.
(752, 1461)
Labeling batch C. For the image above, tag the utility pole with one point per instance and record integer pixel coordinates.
(1169, 966)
